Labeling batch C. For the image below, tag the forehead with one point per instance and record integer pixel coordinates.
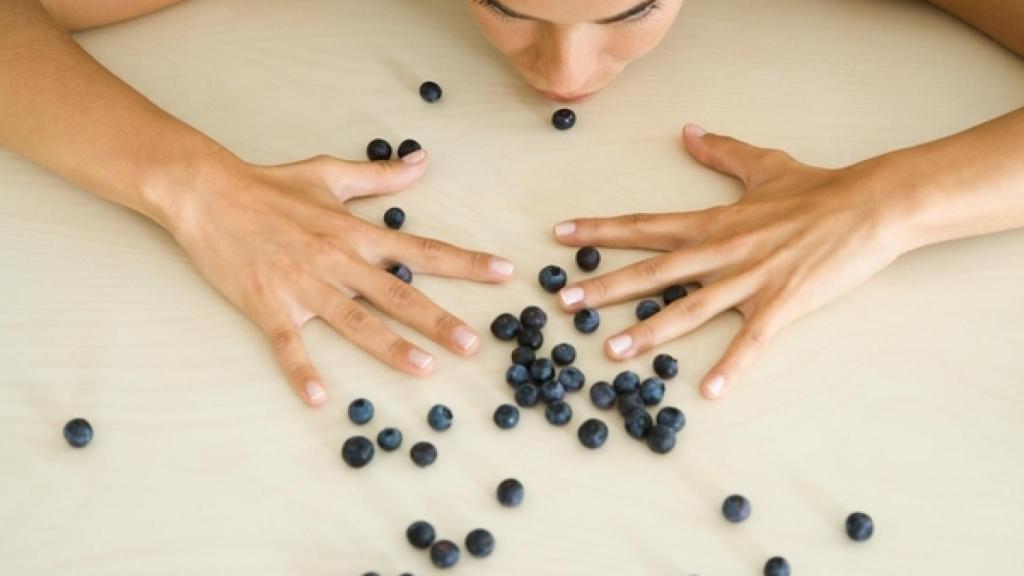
(570, 11)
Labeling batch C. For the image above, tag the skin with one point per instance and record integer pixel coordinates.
(799, 237)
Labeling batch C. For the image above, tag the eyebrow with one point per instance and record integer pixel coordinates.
(612, 19)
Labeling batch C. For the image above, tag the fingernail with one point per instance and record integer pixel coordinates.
(502, 267)
(619, 344)
(414, 157)
(696, 130)
(315, 391)
(465, 338)
(715, 386)
(565, 228)
(571, 296)
(420, 359)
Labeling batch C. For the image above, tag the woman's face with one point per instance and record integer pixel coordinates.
(569, 49)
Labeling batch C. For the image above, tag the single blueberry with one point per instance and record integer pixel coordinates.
(423, 454)
(533, 317)
(776, 566)
(626, 383)
(572, 379)
(402, 272)
(563, 354)
(736, 508)
(506, 416)
(523, 355)
(357, 451)
(647, 308)
(420, 534)
(439, 417)
(603, 395)
(360, 411)
(530, 337)
(673, 293)
(542, 370)
(563, 119)
(78, 432)
(505, 327)
(378, 149)
(593, 433)
(516, 375)
(638, 423)
(661, 439)
(652, 391)
(394, 218)
(859, 526)
(629, 402)
(389, 439)
(588, 258)
(587, 320)
(408, 147)
(665, 366)
(444, 554)
(430, 91)
(552, 278)
(552, 391)
(511, 493)
(558, 413)
(672, 417)
(480, 543)
(527, 395)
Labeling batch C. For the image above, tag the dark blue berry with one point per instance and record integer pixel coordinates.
(378, 149)
(552, 278)
(587, 320)
(671, 417)
(563, 119)
(527, 395)
(552, 391)
(530, 337)
(78, 432)
(357, 451)
(736, 508)
(511, 493)
(638, 423)
(665, 366)
(517, 375)
(603, 395)
(505, 327)
(588, 258)
(558, 413)
(423, 454)
(647, 308)
(626, 383)
(394, 218)
(360, 411)
(776, 567)
(444, 554)
(572, 379)
(480, 543)
(523, 355)
(593, 433)
(506, 416)
(439, 417)
(673, 293)
(859, 526)
(563, 354)
(533, 317)
(420, 534)
(389, 439)
(402, 272)
(542, 370)
(652, 391)
(661, 439)
(629, 402)
(430, 91)
(408, 147)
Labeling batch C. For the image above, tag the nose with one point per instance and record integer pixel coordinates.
(566, 61)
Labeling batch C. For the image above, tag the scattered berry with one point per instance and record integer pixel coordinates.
(360, 411)
(444, 554)
(563, 354)
(603, 395)
(552, 391)
(527, 395)
(533, 317)
(665, 366)
(638, 423)
(378, 149)
(552, 278)
(629, 402)
(430, 91)
(530, 337)
(523, 355)
(389, 439)
(652, 391)
(571, 378)
(593, 433)
(505, 327)
(647, 308)
(588, 258)
(587, 320)
(506, 416)
(408, 147)
(480, 543)
(440, 417)
(859, 526)
(672, 417)
(420, 534)
(511, 493)
(78, 432)
(563, 119)
(558, 413)
(736, 508)
(776, 567)
(516, 375)
(673, 293)
(402, 272)
(661, 439)
(357, 451)
(626, 383)
(394, 218)
(542, 370)
(423, 454)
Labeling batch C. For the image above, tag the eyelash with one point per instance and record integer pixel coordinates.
(638, 17)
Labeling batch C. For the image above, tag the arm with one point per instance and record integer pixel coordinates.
(1002, 20)
(75, 15)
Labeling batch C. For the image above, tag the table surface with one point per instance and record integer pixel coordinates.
(904, 399)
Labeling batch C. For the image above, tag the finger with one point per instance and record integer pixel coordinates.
(367, 331)
(647, 231)
(752, 165)
(290, 353)
(440, 258)
(744, 350)
(348, 180)
(679, 318)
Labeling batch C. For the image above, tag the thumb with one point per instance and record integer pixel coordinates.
(748, 345)
(348, 180)
(750, 164)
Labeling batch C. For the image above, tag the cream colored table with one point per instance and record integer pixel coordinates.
(904, 399)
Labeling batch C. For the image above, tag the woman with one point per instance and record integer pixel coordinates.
(799, 238)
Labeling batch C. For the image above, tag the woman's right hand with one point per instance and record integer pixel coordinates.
(278, 242)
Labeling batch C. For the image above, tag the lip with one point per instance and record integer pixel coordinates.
(563, 98)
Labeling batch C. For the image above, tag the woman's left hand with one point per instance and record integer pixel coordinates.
(799, 238)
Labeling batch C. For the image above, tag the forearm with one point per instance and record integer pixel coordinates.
(67, 113)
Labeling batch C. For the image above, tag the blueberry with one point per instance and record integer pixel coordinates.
(378, 149)
(542, 370)
(593, 433)
(527, 395)
(563, 354)
(626, 383)
(647, 308)
(552, 391)
(505, 327)
(552, 278)
(511, 493)
(638, 423)
(506, 416)
(629, 402)
(78, 432)
(673, 293)
(516, 375)
(357, 451)
(665, 366)
(859, 526)
(389, 439)
(523, 355)
(530, 337)
(736, 508)
(423, 454)
(420, 534)
(652, 391)
(588, 258)
(360, 411)
(408, 147)
(563, 119)
(402, 272)
(440, 417)
(558, 413)
(394, 218)
(533, 317)
(444, 554)
(572, 379)
(661, 439)
(776, 566)
(603, 395)
(671, 417)
(480, 543)
(430, 91)
(587, 320)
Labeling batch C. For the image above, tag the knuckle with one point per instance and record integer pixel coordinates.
(399, 293)
(597, 288)
(693, 307)
(281, 339)
(652, 269)
(637, 220)
(445, 323)
(644, 335)
(353, 318)
(432, 247)
(395, 350)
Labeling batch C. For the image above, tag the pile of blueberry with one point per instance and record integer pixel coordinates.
(634, 396)
(357, 451)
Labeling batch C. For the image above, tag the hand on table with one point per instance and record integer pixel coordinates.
(278, 242)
